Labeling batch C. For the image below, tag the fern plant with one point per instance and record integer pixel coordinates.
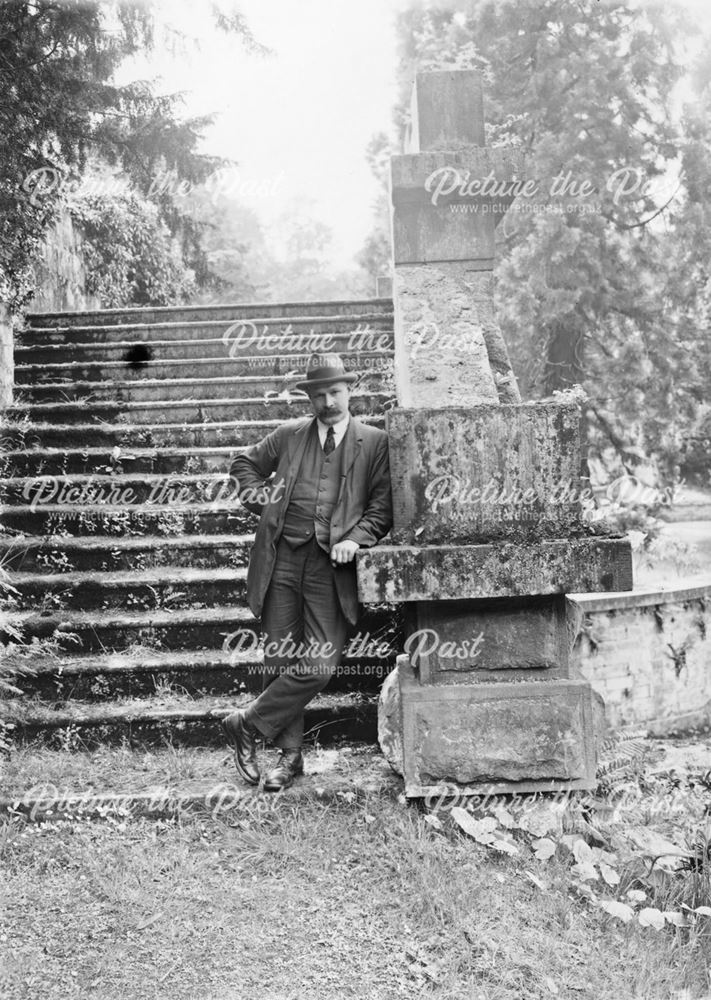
(620, 761)
(11, 635)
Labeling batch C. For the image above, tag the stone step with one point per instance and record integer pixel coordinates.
(179, 720)
(145, 673)
(138, 519)
(237, 433)
(314, 333)
(179, 389)
(61, 553)
(197, 313)
(175, 588)
(219, 365)
(138, 597)
(118, 630)
(269, 406)
(141, 673)
(155, 350)
(94, 461)
(122, 490)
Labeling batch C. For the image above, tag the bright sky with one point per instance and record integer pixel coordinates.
(300, 119)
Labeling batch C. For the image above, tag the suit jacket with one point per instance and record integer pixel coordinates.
(363, 511)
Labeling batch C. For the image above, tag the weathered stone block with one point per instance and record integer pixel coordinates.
(485, 472)
(447, 110)
(446, 206)
(509, 737)
(458, 572)
(390, 731)
(461, 361)
(509, 639)
(441, 357)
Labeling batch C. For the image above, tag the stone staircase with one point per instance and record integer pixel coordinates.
(120, 530)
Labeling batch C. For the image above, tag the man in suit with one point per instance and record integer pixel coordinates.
(329, 496)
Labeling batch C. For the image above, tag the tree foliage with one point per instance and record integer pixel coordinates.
(130, 256)
(60, 106)
(604, 289)
(288, 259)
(375, 255)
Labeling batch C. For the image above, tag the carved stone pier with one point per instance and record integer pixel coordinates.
(489, 533)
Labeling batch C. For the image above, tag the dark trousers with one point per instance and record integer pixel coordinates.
(301, 609)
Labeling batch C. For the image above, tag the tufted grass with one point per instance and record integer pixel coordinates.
(356, 896)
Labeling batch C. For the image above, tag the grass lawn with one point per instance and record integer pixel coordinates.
(353, 894)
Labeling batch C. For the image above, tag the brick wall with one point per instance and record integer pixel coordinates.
(648, 654)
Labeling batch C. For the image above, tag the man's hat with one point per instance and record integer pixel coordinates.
(322, 369)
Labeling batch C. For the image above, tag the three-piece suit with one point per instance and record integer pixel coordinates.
(313, 500)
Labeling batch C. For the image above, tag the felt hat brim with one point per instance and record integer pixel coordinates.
(314, 383)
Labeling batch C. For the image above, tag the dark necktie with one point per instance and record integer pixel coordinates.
(330, 442)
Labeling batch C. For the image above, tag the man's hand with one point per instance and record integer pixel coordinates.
(343, 552)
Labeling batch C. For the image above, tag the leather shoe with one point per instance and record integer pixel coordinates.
(290, 763)
(243, 740)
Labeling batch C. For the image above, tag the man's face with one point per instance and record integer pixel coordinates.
(330, 402)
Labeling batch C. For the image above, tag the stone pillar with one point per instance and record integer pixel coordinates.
(449, 194)
(7, 364)
(488, 530)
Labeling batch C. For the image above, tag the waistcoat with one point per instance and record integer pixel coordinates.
(314, 495)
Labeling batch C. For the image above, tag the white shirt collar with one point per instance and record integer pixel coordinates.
(339, 430)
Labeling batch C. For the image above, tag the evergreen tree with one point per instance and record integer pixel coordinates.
(589, 283)
(60, 105)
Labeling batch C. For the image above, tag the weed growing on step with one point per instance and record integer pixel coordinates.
(19, 654)
(68, 739)
(172, 522)
(54, 600)
(20, 396)
(100, 687)
(11, 637)
(7, 471)
(151, 599)
(57, 523)
(55, 561)
(134, 602)
(137, 437)
(116, 523)
(23, 436)
(168, 691)
(150, 637)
